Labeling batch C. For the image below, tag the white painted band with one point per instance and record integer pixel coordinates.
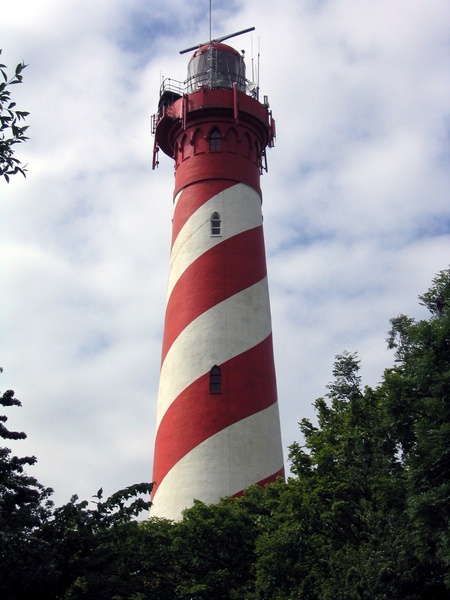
(224, 464)
(240, 210)
(222, 332)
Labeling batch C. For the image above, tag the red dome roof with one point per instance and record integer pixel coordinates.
(218, 46)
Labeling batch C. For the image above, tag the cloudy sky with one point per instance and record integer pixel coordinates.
(356, 206)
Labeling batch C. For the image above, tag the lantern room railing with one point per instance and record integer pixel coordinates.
(209, 80)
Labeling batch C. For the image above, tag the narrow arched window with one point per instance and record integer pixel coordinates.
(184, 147)
(215, 380)
(215, 141)
(216, 227)
(198, 141)
(232, 140)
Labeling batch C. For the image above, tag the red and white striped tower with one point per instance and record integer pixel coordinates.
(218, 427)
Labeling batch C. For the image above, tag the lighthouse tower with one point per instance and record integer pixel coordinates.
(218, 427)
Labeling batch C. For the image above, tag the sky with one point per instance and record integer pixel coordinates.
(355, 202)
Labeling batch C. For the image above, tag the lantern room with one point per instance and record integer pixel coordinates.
(216, 66)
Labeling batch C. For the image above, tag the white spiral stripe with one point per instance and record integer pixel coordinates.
(220, 333)
(244, 453)
(240, 210)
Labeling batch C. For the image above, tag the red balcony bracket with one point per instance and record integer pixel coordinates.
(155, 161)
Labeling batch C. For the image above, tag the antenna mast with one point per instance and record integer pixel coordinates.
(253, 67)
(257, 74)
(210, 34)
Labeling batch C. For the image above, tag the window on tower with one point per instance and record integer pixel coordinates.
(215, 141)
(184, 147)
(216, 224)
(215, 380)
(232, 140)
(198, 141)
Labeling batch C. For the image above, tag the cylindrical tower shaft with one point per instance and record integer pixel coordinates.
(217, 426)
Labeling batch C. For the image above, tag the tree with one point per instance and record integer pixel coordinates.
(95, 549)
(341, 528)
(214, 549)
(24, 505)
(12, 129)
(418, 392)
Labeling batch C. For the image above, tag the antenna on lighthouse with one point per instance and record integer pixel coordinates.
(210, 11)
(220, 39)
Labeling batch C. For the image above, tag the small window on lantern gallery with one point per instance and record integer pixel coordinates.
(215, 380)
(215, 141)
(216, 228)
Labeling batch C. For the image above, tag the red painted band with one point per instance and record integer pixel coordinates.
(271, 479)
(248, 386)
(219, 273)
(220, 165)
(192, 198)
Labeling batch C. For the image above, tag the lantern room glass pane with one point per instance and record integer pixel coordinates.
(216, 69)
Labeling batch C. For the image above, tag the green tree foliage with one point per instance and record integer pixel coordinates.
(339, 517)
(12, 127)
(366, 514)
(214, 549)
(24, 505)
(95, 546)
(418, 393)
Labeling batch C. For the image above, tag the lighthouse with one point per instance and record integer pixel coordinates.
(218, 428)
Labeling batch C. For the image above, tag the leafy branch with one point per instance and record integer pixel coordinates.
(12, 127)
